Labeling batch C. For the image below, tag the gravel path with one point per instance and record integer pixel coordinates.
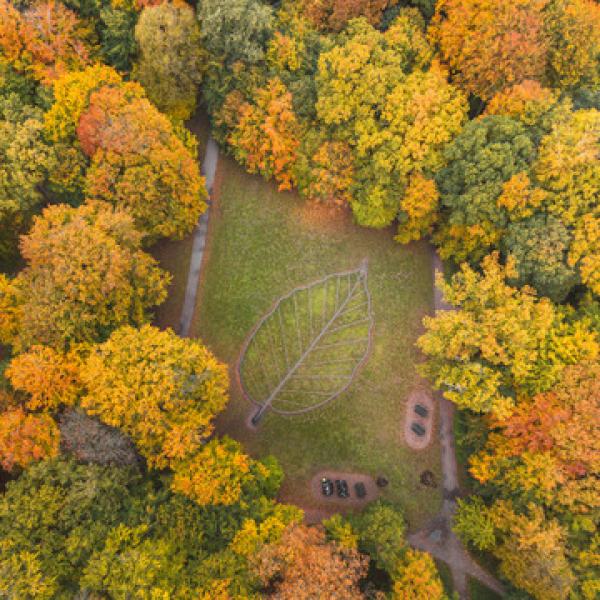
(437, 536)
(209, 169)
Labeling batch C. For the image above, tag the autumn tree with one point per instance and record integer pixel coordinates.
(70, 529)
(530, 547)
(573, 27)
(304, 565)
(267, 134)
(171, 60)
(567, 167)
(49, 378)
(374, 95)
(220, 473)
(415, 577)
(235, 30)
(26, 162)
(501, 341)
(533, 452)
(491, 45)
(85, 276)
(72, 97)
(46, 40)
(26, 437)
(161, 390)
(333, 15)
(480, 161)
(528, 102)
(139, 164)
(418, 209)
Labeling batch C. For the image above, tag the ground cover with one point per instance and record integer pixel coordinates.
(264, 244)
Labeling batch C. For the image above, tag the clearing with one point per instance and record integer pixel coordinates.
(262, 245)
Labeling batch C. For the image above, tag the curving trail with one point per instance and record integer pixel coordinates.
(437, 536)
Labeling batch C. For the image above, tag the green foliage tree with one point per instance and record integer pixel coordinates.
(484, 156)
(53, 518)
(117, 33)
(380, 529)
(540, 246)
(26, 161)
(235, 30)
(171, 60)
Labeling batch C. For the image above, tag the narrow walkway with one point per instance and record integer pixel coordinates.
(437, 536)
(209, 169)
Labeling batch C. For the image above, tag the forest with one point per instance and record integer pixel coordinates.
(467, 130)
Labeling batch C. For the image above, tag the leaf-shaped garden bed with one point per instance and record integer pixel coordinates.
(309, 347)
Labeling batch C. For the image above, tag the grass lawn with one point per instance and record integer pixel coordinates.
(263, 244)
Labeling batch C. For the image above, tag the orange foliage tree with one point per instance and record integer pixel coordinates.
(161, 390)
(49, 378)
(304, 565)
(139, 164)
(85, 275)
(47, 40)
(527, 101)
(334, 14)
(491, 44)
(72, 97)
(267, 134)
(25, 438)
(550, 446)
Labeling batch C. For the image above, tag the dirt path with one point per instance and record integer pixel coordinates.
(209, 169)
(437, 536)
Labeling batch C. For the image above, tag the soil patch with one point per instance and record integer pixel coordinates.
(423, 397)
(336, 504)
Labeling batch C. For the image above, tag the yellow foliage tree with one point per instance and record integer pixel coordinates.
(574, 28)
(500, 341)
(418, 209)
(216, 474)
(567, 165)
(415, 577)
(85, 275)
(161, 390)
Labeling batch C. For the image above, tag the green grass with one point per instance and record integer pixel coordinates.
(173, 257)
(309, 348)
(263, 245)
